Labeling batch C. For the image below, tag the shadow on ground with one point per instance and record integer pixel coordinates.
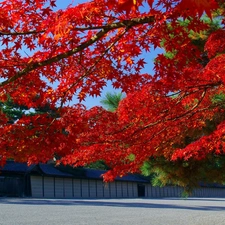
(161, 203)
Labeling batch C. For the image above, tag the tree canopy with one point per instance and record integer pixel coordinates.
(49, 57)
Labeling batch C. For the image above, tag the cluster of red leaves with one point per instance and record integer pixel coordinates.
(215, 44)
(198, 6)
(49, 56)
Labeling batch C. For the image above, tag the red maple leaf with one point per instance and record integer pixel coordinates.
(198, 6)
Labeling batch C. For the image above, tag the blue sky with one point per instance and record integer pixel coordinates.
(149, 58)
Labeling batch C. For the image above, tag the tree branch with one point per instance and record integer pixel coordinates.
(2, 33)
(82, 46)
(91, 69)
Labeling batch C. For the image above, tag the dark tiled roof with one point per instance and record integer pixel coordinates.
(12, 166)
(96, 174)
(133, 178)
(211, 185)
(64, 171)
(77, 172)
(51, 170)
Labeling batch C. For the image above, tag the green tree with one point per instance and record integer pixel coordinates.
(12, 110)
(15, 111)
(111, 101)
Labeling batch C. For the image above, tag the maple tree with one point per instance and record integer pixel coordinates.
(50, 56)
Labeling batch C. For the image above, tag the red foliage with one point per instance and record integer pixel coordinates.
(215, 43)
(49, 56)
(198, 6)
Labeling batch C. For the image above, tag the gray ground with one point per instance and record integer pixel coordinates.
(191, 211)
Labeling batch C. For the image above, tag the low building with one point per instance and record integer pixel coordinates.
(15, 179)
(48, 181)
(57, 182)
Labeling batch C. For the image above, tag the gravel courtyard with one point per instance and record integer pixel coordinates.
(192, 211)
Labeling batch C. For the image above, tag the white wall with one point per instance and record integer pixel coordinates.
(68, 188)
(50, 187)
(36, 187)
(76, 188)
(59, 187)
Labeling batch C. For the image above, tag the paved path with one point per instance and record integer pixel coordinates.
(191, 211)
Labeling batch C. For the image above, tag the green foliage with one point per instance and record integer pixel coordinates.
(219, 98)
(11, 110)
(111, 101)
(131, 157)
(100, 165)
(187, 174)
(15, 111)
